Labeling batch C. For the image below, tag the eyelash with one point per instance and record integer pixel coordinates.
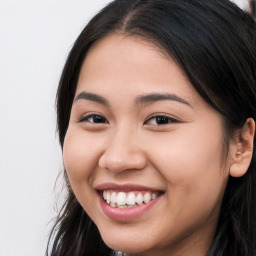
(161, 118)
(158, 119)
(95, 119)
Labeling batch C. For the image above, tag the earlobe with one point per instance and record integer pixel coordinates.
(242, 155)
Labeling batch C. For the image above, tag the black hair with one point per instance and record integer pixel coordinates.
(214, 43)
(253, 8)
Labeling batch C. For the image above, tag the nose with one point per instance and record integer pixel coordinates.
(123, 152)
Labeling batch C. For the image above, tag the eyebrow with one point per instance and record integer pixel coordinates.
(154, 97)
(92, 97)
(142, 99)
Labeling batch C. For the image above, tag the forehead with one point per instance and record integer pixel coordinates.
(123, 64)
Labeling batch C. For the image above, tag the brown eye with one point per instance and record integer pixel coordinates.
(161, 120)
(94, 119)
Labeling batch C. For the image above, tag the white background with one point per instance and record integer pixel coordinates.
(35, 38)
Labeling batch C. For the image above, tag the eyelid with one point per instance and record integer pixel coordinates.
(87, 117)
(171, 119)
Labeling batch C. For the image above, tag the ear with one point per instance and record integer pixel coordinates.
(242, 149)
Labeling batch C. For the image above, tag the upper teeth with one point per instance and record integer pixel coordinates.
(130, 199)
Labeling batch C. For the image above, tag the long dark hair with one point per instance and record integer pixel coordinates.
(214, 43)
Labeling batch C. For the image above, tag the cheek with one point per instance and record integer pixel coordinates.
(190, 151)
(80, 154)
(189, 160)
(190, 163)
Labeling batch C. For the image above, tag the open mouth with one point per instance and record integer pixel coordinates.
(120, 199)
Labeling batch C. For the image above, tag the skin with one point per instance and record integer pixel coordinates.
(182, 157)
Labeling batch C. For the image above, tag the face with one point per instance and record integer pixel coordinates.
(143, 151)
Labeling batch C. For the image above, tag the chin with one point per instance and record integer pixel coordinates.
(129, 245)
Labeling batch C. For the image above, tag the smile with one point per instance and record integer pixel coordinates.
(120, 199)
(127, 202)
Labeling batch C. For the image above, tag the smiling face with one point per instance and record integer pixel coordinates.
(139, 135)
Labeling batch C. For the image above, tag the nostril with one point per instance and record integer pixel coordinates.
(123, 152)
(112, 163)
(122, 161)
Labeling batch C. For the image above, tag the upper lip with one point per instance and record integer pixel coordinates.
(124, 187)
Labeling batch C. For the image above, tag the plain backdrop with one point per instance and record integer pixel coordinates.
(35, 38)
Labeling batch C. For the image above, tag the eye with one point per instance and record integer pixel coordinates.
(161, 120)
(94, 119)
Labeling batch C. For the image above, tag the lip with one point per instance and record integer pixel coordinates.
(124, 187)
(125, 214)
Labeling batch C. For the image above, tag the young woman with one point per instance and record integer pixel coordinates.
(156, 108)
